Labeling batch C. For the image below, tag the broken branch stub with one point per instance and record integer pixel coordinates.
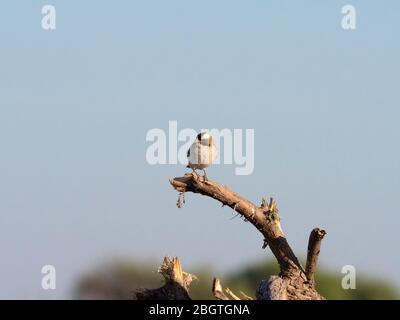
(314, 247)
(176, 283)
(227, 294)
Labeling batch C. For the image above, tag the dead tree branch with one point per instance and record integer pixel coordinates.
(266, 219)
(314, 247)
(227, 294)
(176, 283)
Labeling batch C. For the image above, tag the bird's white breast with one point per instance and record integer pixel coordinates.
(201, 156)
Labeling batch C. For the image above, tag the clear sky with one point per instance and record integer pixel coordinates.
(76, 104)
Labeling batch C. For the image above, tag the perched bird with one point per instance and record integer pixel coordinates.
(202, 153)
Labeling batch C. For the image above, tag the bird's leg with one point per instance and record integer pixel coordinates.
(195, 173)
(205, 175)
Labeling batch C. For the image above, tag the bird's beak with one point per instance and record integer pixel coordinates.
(210, 142)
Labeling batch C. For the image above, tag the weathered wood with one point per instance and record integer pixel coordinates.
(176, 283)
(218, 291)
(227, 294)
(314, 247)
(273, 289)
(265, 218)
(292, 281)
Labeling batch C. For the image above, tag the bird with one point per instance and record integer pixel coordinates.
(202, 153)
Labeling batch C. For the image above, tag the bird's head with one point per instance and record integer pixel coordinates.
(205, 138)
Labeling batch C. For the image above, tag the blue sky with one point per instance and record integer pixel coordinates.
(76, 104)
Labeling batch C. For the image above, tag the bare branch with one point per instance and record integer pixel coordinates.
(314, 247)
(292, 282)
(265, 218)
(218, 291)
(226, 294)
